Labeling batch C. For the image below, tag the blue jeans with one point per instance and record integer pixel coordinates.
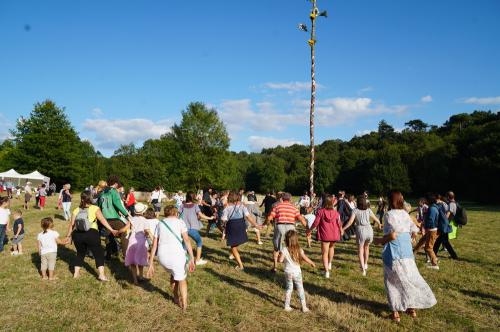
(3, 228)
(195, 235)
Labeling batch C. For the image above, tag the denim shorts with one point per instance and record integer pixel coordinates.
(195, 235)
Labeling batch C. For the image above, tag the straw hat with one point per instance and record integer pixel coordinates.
(140, 208)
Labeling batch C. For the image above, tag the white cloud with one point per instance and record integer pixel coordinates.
(363, 132)
(335, 111)
(426, 99)
(482, 100)
(365, 90)
(97, 112)
(110, 134)
(291, 87)
(239, 114)
(257, 143)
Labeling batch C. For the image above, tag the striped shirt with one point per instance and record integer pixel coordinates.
(285, 213)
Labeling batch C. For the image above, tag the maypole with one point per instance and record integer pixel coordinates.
(312, 42)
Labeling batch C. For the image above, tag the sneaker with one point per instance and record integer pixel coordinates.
(330, 266)
(13, 253)
(327, 274)
(201, 262)
(239, 268)
(288, 309)
(305, 309)
(366, 267)
(428, 261)
(260, 243)
(231, 256)
(364, 272)
(434, 267)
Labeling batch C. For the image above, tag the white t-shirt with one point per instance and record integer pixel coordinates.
(151, 225)
(290, 265)
(48, 241)
(4, 216)
(310, 219)
(168, 242)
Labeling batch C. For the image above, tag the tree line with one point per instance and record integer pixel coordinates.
(463, 155)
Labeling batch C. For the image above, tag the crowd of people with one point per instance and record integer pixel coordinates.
(142, 233)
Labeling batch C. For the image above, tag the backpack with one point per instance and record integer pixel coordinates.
(460, 217)
(82, 223)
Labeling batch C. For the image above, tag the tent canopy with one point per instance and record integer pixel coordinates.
(35, 177)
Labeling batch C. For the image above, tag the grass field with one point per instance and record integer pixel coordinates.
(223, 299)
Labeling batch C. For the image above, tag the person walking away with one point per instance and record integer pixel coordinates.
(42, 193)
(28, 192)
(235, 215)
(4, 220)
(84, 231)
(156, 200)
(364, 231)
(111, 207)
(255, 211)
(47, 242)
(329, 231)
(285, 215)
(430, 232)
(345, 211)
(130, 201)
(268, 203)
(174, 254)
(206, 206)
(136, 256)
(310, 217)
(406, 289)
(37, 196)
(381, 208)
(191, 214)
(444, 228)
(18, 229)
(292, 255)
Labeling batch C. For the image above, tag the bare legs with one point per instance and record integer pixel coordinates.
(236, 254)
(179, 288)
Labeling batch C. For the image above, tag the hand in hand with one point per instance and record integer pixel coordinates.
(115, 232)
(192, 266)
(151, 271)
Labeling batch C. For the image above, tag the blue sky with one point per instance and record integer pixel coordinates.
(125, 69)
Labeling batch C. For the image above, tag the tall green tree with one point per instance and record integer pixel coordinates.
(203, 145)
(46, 141)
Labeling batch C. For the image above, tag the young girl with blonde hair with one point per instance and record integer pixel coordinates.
(292, 255)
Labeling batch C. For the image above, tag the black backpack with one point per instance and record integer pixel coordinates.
(460, 217)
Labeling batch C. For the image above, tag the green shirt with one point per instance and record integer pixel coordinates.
(111, 203)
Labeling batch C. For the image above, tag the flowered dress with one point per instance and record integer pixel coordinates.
(405, 287)
(137, 250)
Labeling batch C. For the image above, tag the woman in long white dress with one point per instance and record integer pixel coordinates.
(405, 287)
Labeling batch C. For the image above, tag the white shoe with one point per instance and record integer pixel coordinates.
(260, 243)
(14, 253)
(201, 262)
(327, 274)
(305, 309)
(231, 256)
(364, 273)
(288, 309)
(434, 267)
(330, 266)
(366, 266)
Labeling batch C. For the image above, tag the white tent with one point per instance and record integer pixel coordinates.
(20, 179)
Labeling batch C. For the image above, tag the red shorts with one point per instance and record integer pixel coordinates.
(42, 201)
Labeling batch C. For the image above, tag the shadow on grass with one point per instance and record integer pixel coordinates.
(243, 285)
(59, 216)
(482, 298)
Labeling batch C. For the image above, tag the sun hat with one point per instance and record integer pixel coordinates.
(140, 208)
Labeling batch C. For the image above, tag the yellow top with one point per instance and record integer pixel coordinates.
(92, 210)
